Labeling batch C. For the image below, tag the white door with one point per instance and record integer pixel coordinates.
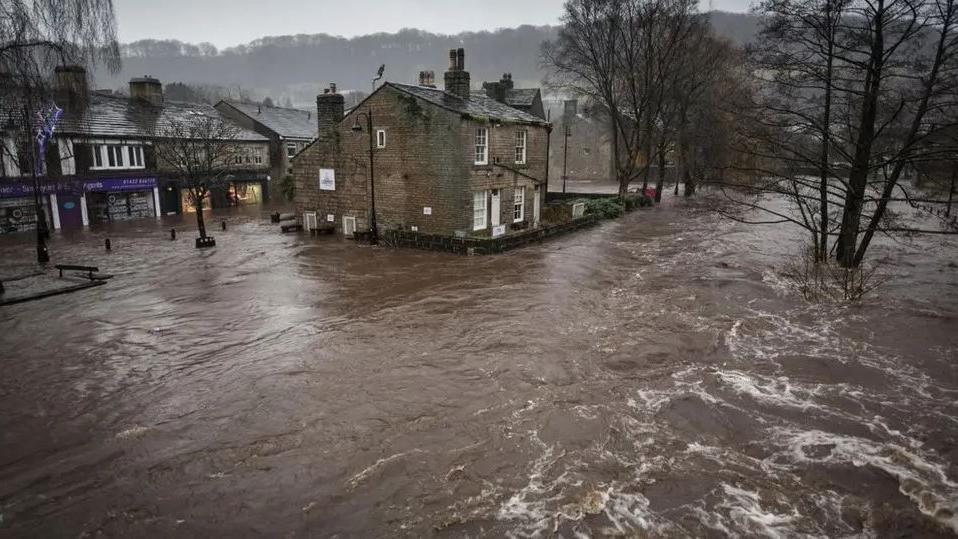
(536, 208)
(349, 226)
(496, 212)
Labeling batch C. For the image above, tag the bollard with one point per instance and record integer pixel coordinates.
(107, 244)
(224, 225)
(172, 233)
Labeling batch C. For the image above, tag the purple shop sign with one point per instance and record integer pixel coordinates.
(24, 189)
(119, 184)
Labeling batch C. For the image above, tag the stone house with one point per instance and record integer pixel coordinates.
(100, 165)
(525, 99)
(446, 161)
(288, 130)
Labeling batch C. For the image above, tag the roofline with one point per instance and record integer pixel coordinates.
(541, 123)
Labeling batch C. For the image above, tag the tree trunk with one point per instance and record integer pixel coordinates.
(661, 181)
(821, 243)
(951, 191)
(200, 224)
(858, 177)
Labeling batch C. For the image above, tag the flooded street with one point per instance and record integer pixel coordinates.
(650, 376)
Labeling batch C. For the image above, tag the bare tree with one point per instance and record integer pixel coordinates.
(849, 90)
(201, 150)
(35, 37)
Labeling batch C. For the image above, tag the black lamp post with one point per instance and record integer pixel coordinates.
(372, 175)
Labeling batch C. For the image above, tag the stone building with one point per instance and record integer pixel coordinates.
(581, 145)
(100, 165)
(525, 99)
(446, 161)
(288, 130)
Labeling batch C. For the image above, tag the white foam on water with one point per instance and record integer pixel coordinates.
(776, 391)
(355, 480)
(741, 512)
(923, 481)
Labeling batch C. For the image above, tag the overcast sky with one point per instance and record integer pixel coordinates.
(230, 22)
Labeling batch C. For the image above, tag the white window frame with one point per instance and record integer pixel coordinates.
(290, 149)
(108, 156)
(522, 137)
(482, 146)
(380, 138)
(519, 205)
(480, 220)
(257, 156)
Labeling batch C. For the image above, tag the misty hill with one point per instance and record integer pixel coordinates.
(294, 68)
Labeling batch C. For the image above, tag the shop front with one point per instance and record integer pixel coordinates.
(109, 200)
(18, 210)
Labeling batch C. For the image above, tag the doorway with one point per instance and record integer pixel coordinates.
(71, 214)
(536, 207)
(496, 205)
(349, 226)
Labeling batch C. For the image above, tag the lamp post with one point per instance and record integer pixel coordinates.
(565, 155)
(372, 173)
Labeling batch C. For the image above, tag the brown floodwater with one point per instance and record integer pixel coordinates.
(650, 376)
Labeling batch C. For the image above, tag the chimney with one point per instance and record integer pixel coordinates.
(329, 108)
(495, 90)
(457, 78)
(70, 84)
(147, 89)
(507, 81)
(570, 108)
(427, 79)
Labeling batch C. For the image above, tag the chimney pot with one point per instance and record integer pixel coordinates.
(457, 78)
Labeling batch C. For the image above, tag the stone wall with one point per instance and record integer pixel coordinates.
(481, 246)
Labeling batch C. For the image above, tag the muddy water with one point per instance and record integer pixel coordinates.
(650, 376)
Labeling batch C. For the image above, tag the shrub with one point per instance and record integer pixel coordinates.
(605, 208)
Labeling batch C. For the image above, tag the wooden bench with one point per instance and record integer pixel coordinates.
(89, 270)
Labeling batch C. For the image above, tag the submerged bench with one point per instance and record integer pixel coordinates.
(291, 227)
(89, 270)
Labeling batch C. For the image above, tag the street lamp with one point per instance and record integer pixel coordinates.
(357, 128)
(565, 156)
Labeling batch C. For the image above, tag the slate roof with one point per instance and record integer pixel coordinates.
(477, 105)
(110, 116)
(287, 123)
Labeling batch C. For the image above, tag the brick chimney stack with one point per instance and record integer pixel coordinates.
(457, 78)
(506, 81)
(329, 109)
(70, 84)
(147, 89)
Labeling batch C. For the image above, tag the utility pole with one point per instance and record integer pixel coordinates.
(565, 155)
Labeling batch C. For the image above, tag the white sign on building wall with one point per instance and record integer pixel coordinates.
(498, 231)
(327, 179)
